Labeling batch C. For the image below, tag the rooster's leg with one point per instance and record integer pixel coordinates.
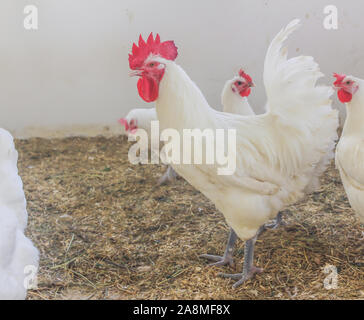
(277, 222)
(169, 176)
(227, 258)
(248, 268)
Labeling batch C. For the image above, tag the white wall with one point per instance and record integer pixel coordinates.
(73, 71)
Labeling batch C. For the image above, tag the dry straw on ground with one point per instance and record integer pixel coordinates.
(106, 231)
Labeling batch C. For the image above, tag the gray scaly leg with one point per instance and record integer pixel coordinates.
(169, 176)
(249, 270)
(227, 258)
(277, 222)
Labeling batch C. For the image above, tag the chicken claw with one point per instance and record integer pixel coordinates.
(249, 270)
(169, 176)
(227, 258)
(241, 277)
(277, 222)
(220, 260)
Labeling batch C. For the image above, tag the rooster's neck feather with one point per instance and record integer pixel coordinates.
(180, 103)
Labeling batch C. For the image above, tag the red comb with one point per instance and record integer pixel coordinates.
(166, 50)
(339, 78)
(247, 77)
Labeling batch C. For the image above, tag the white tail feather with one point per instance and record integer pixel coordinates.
(299, 104)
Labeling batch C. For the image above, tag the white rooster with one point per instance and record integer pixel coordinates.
(140, 118)
(277, 152)
(350, 149)
(233, 98)
(17, 253)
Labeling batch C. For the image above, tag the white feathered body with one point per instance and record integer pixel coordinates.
(350, 152)
(16, 250)
(276, 152)
(233, 103)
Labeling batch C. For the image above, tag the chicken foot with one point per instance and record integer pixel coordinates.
(277, 222)
(227, 258)
(169, 176)
(249, 270)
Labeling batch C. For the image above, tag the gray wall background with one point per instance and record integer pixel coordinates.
(73, 70)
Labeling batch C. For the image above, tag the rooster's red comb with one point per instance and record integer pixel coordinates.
(140, 52)
(244, 75)
(339, 78)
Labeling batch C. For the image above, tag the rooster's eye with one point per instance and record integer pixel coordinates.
(151, 64)
(348, 82)
(239, 83)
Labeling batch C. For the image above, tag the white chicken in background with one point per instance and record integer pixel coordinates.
(234, 96)
(235, 100)
(350, 149)
(140, 118)
(17, 253)
(277, 152)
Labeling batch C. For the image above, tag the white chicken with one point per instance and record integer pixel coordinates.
(235, 100)
(234, 96)
(17, 253)
(140, 118)
(350, 149)
(276, 152)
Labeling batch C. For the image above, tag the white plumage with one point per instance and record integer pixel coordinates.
(143, 117)
(234, 103)
(16, 250)
(350, 150)
(277, 152)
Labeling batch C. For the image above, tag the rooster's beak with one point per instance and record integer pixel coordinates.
(135, 73)
(251, 84)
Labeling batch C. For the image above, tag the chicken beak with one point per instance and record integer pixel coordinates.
(251, 84)
(135, 73)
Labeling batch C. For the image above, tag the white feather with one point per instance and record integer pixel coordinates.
(16, 250)
(350, 151)
(143, 116)
(277, 152)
